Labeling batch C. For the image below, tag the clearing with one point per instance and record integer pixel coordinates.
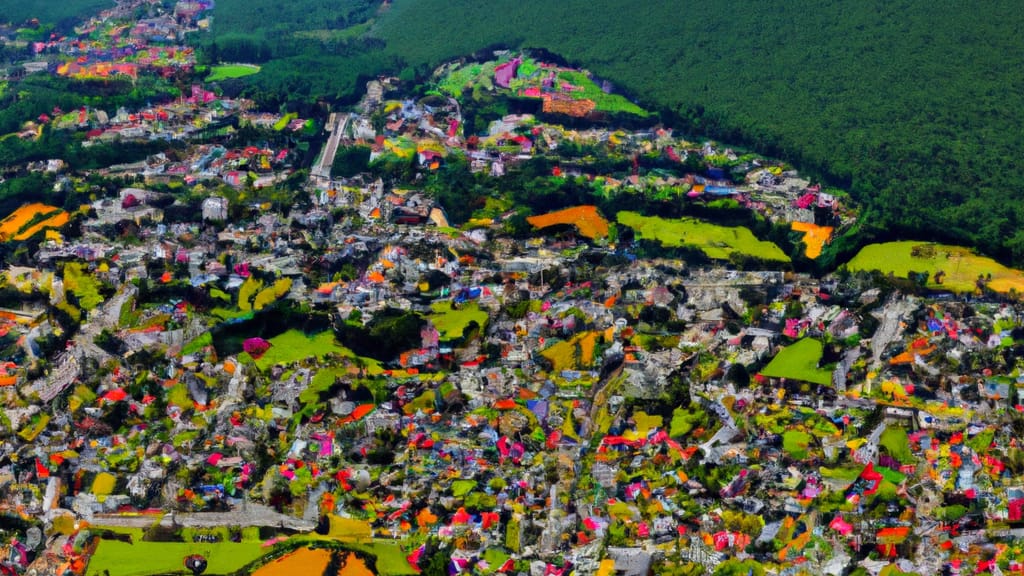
(717, 242)
(961, 266)
(229, 71)
(799, 361)
(452, 322)
(294, 345)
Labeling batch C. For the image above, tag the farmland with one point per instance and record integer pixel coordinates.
(303, 560)
(718, 242)
(29, 220)
(961, 266)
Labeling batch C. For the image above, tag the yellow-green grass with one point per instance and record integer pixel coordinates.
(796, 443)
(717, 242)
(390, 557)
(229, 71)
(451, 322)
(295, 345)
(565, 355)
(799, 361)
(144, 558)
(961, 266)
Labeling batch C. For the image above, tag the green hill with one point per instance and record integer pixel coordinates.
(917, 107)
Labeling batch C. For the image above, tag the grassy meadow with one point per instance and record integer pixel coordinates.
(718, 242)
(229, 71)
(961, 265)
(799, 361)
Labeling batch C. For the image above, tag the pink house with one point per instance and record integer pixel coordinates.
(504, 73)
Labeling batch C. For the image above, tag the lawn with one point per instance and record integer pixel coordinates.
(799, 361)
(294, 345)
(390, 557)
(586, 219)
(451, 322)
(686, 419)
(718, 242)
(229, 71)
(894, 440)
(144, 558)
(961, 266)
(795, 443)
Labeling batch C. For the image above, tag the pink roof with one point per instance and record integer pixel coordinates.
(504, 73)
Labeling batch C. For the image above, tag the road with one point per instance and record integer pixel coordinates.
(323, 167)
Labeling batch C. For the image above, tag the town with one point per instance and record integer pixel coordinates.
(412, 336)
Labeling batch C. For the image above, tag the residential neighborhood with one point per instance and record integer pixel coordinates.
(528, 346)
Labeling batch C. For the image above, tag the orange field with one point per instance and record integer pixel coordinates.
(354, 566)
(16, 225)
(815, 237)
(313, 561)
(586, 219)
(302, 561)
(55, 221)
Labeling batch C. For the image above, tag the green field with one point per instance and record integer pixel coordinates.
(795, 443)
(799, 361)
(718, 242)
(451, 322)
(962, 266)
(604, 101)
(390, 557)
(145, 558)
(294, 345)
(228, 71)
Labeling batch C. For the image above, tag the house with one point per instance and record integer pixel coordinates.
(505, 73)
(630, 561)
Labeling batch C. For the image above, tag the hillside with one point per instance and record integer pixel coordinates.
(914, 106)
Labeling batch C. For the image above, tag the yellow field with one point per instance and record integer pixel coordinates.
(960, 266)
(16, 225)
(586, 219)
(563, 354)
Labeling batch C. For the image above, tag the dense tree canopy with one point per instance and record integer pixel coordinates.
(64, 12)
(916, 107)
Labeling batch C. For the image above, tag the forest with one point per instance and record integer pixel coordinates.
(913, 106)
(62, 12)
